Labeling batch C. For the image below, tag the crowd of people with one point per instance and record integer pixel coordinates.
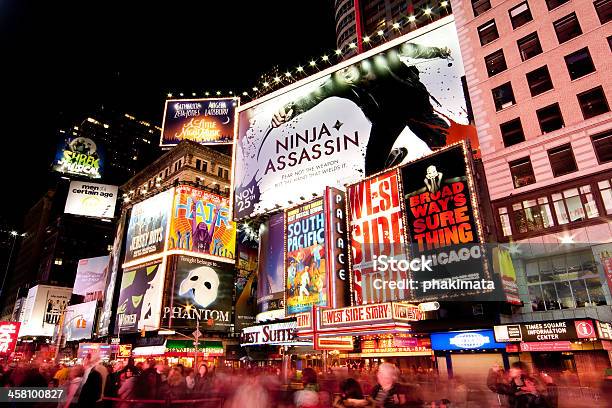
(148, 384)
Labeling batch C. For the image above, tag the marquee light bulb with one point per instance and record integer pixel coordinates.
(169, 95)
(277, 79)
(366, 39)
(266, 84)
(338, 52)
(352, 45)
(427, 11)
(412, 19)
(381, 33)
(313, 63)
(287, 74)
(396, 25)
(325, 58)
(300, 68)
(444, 3)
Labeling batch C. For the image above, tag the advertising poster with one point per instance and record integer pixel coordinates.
(270, 272)
(79, 321)
(376, 229)
(79, 156)
(201, 222)
(351, 121)
(91, 199)
(603, 257)
(200, 289)
(336, 238)
(504, 267)
(306, 280)
(104, 321)
(205, 121)
(442, 225)
(246, 281)
(146, 232)
(9, 332)
(90, 281)
(43, 309)
(140, 298)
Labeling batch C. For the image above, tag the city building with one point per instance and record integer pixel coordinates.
(54, 241)
(539, 84)
(381, 20)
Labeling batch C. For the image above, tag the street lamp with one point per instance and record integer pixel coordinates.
(196, 336)
(14, 234)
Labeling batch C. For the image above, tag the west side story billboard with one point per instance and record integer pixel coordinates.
(386, 107)
(204, 121)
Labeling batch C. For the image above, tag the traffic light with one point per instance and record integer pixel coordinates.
(143, 332)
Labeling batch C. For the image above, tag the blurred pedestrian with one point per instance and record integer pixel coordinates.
(73, 386)
(351, 395)
(388, 393)
(127, 390)
(308, 397)
(91, 390)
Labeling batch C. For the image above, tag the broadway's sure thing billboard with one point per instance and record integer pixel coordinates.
(91, 199)
(205, 121)
(79, 156)
(201, 222)
(443, 226)
(146, 232)
(383, 108)
(305, 259)
(140, 298)
(79, 320)
(91, 276)
(376, 229)
(201, 289)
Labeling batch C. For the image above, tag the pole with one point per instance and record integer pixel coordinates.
(60, 333)
(196, 336)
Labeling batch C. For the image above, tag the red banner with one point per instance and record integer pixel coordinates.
(8, 337)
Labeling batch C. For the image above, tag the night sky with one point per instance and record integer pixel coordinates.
(62, 60)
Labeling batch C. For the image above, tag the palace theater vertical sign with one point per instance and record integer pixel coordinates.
(376, 228)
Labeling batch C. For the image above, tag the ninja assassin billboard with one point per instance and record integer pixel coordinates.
(140, 298)
(386, 107)
(200, 290)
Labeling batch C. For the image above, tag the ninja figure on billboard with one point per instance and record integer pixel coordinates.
(391, 95)
(202, 284)
(202, 236)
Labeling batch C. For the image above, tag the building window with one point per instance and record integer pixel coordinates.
(522, 172)
(562, 160)
(198, 164)
(503, 96)
(480, 6)
(593, 102)
(606, 194)
(512, 132)
(529, 46)
(488, 32)
(166, 172)
(575, 204)
(520, 15)
(567, 28)
(550, 118)
(532, 215)
(205, 167)
(552, 4)
(579, 63)
(539, 81)
(610, 42)
(495, 63)
(504, 220)
(602, 144)
(604, 10)
(565, 281)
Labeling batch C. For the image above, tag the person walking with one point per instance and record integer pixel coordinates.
(388, 393)
(91, 390)
(351, 395)
(73, 386)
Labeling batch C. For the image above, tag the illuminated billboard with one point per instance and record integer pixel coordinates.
(140, 298)
(201, 289)
(91, 276)
(201, 222)
(305, 258)
(43, 309)
(91, 199)
(376, 229)
(79, 156)
(385, 107)
(147, 228)
(443, 226)
(79, 320)
(270, 268)
(204, 121)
